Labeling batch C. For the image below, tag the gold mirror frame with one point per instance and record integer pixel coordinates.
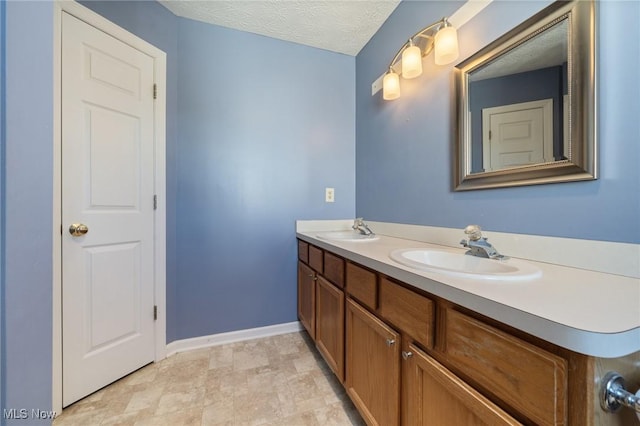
(581, 163)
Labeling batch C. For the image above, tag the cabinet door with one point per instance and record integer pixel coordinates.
(372, 367)
(523, 376)
(437, 397)
(330, 325)
(307, 298)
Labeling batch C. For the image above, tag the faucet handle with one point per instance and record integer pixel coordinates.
(474, 232)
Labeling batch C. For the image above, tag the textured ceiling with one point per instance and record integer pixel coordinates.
(342, 26)
(547, 49)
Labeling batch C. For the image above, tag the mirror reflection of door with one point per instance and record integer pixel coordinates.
(549, 56)
(534, 70)
(517, 134)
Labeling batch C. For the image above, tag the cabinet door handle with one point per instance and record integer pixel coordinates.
(406, 355)
(391, 342)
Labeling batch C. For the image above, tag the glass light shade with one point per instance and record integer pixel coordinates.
(411, 62)
(446, 46)
(391, 86)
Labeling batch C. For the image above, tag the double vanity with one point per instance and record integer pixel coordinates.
(424, 334)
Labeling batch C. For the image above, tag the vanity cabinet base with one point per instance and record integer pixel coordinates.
(408, 357)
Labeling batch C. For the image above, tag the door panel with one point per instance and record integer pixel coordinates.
(372, 366)
(107, 184)
(437, 397)
(517, 134)
(307, 298)
(330, 325)
(113, 139)
(108, 287)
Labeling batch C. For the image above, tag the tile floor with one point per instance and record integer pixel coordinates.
(279, 380)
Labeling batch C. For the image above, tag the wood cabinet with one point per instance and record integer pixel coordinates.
(407, 310)
(408, 357)
(307, 298)
(321, 303)
(362, 285)
(330, 325)
(524, 376)
(372, 366)
(316, 259)
(303, 251)
(334, 269)
(436, 397)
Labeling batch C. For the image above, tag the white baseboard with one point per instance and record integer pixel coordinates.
(231, 337)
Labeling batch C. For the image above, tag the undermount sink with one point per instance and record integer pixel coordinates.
(346, 236)
(466, 266)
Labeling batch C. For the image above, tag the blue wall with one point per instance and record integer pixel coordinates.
(27, 201)
(404, 147)
(248, 152)
(263, 126)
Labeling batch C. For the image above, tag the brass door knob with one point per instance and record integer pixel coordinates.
(78, 229)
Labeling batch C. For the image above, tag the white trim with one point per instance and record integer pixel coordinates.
(160, 223)
(323, 225)
(231, 337)
(160, 60)
(467, 12)
(56, 355)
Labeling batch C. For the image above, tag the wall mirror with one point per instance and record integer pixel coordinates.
(526, 103)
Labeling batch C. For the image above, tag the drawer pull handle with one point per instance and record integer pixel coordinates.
(613, 394)
(406, 355)
(391, 342)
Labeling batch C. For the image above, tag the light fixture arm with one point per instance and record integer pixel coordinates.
(442, 23)
(440, 37)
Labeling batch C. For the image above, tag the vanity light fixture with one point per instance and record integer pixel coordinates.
(440, 37)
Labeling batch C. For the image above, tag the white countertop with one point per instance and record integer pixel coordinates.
(593, 313)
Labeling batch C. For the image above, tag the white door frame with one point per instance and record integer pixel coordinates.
(160, 61)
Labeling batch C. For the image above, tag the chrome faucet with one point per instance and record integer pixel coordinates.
(478, 245)
(359, 225)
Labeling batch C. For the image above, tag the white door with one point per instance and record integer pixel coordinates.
(517, 134)
(107, 185)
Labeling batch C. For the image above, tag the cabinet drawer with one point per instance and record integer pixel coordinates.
(334, 269)
(303, 251)
(315, 258)
(526, 377)
(361, 284)
(407, 310)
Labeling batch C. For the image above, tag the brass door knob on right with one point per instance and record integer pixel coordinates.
(78, 229)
